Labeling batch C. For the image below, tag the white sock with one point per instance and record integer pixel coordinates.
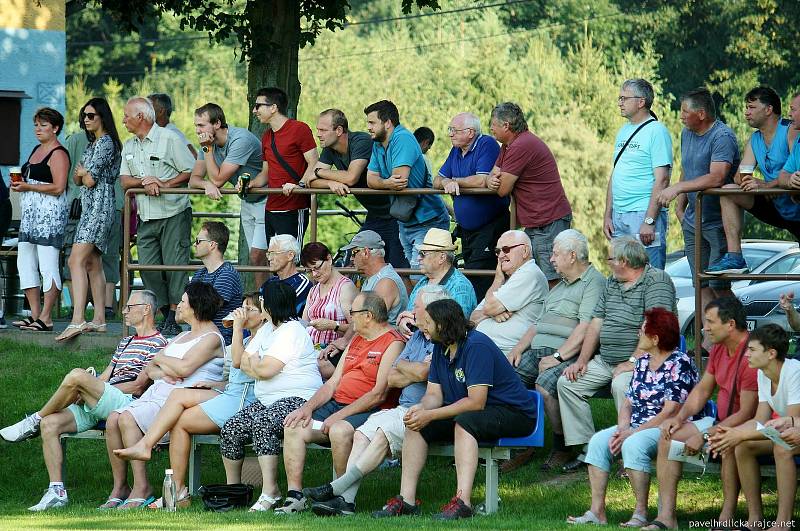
(58, 486)
(38, 418)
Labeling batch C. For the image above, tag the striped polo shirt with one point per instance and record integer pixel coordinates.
(228, 283)
(132, 356)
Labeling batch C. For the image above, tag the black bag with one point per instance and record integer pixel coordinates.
(403, 207)
(75, 209)
(221, 498)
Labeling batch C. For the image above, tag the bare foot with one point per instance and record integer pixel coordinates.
(139, 452)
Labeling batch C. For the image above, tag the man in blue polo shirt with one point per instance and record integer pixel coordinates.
(481, 219)
(473, 395)
(397, 164)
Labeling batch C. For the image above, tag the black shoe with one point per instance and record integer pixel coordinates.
(319, 494)
(397, 507)
(170, 329)
(454, 510)
(572, 466)
(336, 506)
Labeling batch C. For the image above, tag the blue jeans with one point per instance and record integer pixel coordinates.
(412, 236)
(628, 223)
(638, 450)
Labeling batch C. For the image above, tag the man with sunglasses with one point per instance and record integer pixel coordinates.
(83, 399)
(516, 297)
(209, 246)
(481, 218)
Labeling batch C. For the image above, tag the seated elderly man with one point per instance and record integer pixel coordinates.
(383, 433)
(284, 257)
(436, 260)
(359, 387)
(554, 340)
(516, 296)
(83, 399)
(633, 287)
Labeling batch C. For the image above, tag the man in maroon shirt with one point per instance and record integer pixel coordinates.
(527, 168)
(290, 154)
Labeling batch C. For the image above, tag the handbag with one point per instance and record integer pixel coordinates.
(75, 209)
(403, 206)
(222, 498)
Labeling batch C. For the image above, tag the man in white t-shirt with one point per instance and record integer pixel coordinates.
(516, 297)
(162, 104)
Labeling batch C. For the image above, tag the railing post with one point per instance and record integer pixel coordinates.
(312, 222)
(698, 290)
(124, 285)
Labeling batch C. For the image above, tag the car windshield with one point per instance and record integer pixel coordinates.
(756, 257)
(679, 269)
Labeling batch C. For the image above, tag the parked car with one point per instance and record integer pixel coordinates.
(762, 256)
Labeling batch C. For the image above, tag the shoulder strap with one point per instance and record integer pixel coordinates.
(282, 161)
(629, 140)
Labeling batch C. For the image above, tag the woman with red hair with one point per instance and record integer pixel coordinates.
(663, 376)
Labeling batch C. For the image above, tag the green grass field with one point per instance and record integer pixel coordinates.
(529, 499)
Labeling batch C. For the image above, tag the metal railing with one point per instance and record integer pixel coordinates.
(700, 275)
(314, 214)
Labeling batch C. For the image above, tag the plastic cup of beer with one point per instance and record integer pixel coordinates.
(746, 169)
(227, 321)
(16, 174)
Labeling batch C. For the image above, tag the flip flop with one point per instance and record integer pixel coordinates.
(70, 332)
(659, 525)
(183, 502)
(24, 322)
(94, 327)
(588, 518)
(37, 326)
(143, 503)
(637, 520)
(111, 503)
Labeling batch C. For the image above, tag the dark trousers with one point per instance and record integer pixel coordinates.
(477, 247)
(389, 232)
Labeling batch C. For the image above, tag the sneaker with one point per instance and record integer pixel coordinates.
(454, 510)
(729, 263)
(27, 428)
(336, 506)
(294, 502)
(3, 323)
(397, 507)
(170, 329)
(319, 494)
(50, 500)
(389, 463)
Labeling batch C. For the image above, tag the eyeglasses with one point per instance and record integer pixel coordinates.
(270, 253)
(318, 268)
(356, 251)
(423, 254)
(128, 307)
(505, 249)
(357, 311)
(198, 241)
(89, 115)
(623, 99)
(452, 130)
(257, 105)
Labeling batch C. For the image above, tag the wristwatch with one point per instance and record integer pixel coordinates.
(316, 173)
(206, 149)
(558, 357)
(301, 184)
(649, 221)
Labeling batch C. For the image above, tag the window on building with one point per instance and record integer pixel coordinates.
(10, 107)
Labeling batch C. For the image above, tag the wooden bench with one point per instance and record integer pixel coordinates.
(490, 453)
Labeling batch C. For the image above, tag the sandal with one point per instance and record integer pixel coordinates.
(637, 520)
(142, 503)
(112, 503)
(588, 518)
(183, 502)
(70, 332)
(265, 503)
(37, 326)
(24, 322)
(94, 327)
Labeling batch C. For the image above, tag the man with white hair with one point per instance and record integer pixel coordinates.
(283, 257)
(383, 433)
(155, 158)
(554, 340)
(481, 218)
(633, 287)
(516, 297)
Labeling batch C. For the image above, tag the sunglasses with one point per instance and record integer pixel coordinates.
(198, 241)
(505, 249)
(257, 105)
(89, 115)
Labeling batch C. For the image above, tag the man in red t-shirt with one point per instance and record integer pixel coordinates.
(727, 369)
(290, 154)
(358, 388)
(527, 168)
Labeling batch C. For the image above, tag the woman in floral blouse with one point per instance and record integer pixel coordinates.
(662, 379)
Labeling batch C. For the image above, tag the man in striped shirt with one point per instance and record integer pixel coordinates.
(209, 246)
(83, 399)
(633, 287)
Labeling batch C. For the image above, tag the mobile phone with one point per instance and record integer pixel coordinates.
(412, 327)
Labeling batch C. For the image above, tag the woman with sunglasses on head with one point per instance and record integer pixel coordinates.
(44, 216)
(95, 174)
(328, 305)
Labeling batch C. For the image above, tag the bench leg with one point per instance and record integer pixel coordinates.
(195, 462)
(492, 479)
(63, 441)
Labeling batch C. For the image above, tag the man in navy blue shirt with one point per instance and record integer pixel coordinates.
(473, 395)
(209, 246)
(481, 219)
(283, 256)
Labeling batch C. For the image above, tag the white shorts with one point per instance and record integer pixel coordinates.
(145, 408)
(34, 261)
(253, 224)
(704, 423)
(390, 421)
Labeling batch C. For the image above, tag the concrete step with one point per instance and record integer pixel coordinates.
(107, 341)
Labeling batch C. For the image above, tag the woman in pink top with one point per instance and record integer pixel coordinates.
(328, 305)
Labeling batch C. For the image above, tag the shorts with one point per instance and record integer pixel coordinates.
(252, 215)
(765, 210)
(293, 222)
(233, 399)
(528, 370)
(146, 407)
(488, 425)
(87, 417)
(704, 423)
(35, 260)
(390, 422)
(712, 247)
(332, 406)
(542, 242)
